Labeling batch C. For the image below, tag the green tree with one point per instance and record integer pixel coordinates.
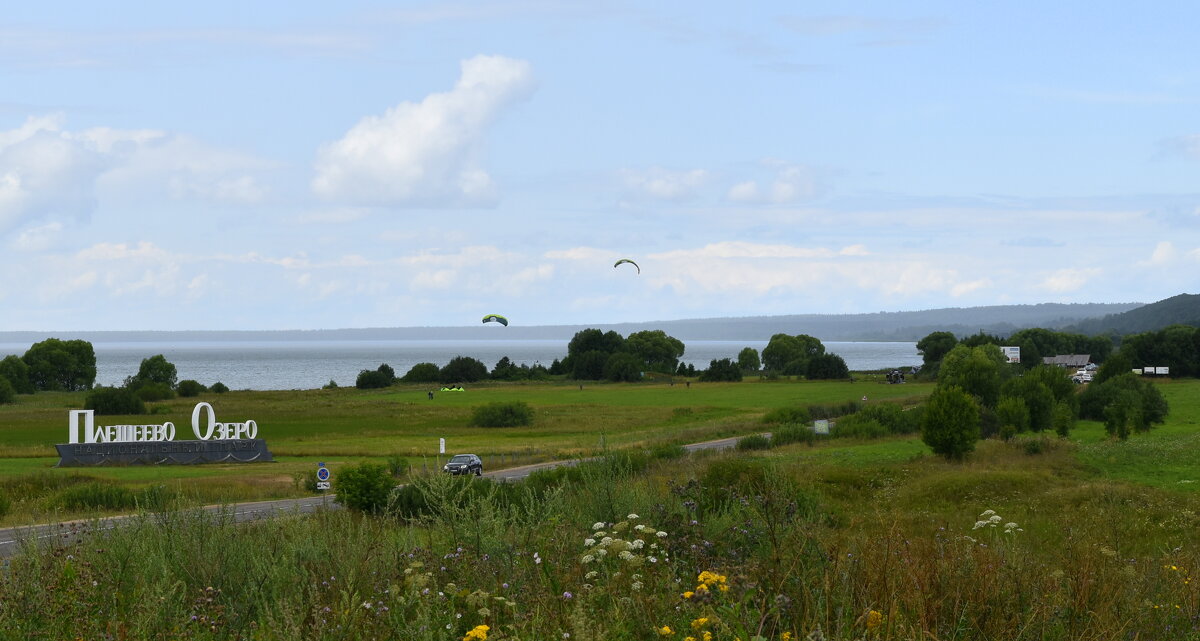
(61, 365)
(589, 340)
(826, 367)
(748, 360)
(463, 369)
(1038, 399)
(1118, 365)
(589, 366)
(1063, 419)
(1123, 414)
(623, 367)
(950, 422)
(658, 351)
(935, 346)
(506, 370)
(976, 370)
(17, 372)
(722, 370)
(423, 373)
(7, 393)
(1012, 412)
(157, 369)
(790, 354)
(1151, 407)
(218, 388)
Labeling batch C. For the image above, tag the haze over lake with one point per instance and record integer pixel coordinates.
(264, 365)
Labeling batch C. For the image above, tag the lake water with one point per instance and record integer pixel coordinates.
(264, 365)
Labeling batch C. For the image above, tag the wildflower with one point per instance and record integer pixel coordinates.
(665, 631)
(632, 517)
(637, 544)
(626, 555)
(987, 513)
(589, 542)
(707, 636)
(597, 526)
(637, 585)
(478, 633)
(567, 595)
(587, 558)
(653, 560)
(786, 636)
(367, 604)
(689, 594)
(591, 575)
(660, 534)
(536, 559)
(606, 540)
(874, 619)
(639, 527)
(699, 623)
(601, 552)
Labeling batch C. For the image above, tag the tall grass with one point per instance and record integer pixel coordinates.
(880, 551)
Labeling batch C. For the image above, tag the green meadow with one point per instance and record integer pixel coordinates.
(1036, 538)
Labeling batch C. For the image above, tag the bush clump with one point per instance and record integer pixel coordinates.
(754, 442)
(787, 416)
(218, 388)
(8, 393)
(188, 388)
(114, 400)
(365, 487)
(793, 433)
(502, 414)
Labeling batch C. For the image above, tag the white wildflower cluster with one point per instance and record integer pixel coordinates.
(616, 552)
(989, 519)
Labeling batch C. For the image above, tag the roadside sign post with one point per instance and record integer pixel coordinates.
(322, 477)
(441, 446)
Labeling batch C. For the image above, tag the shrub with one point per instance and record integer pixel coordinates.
(332, 384)
(422, 373)
(858, 426)
(950, 423)
(7, 392)
(218, 388)
(397, 466)
(787, 416)
(1012, 410)
(381, 377)
(154, 392)
(722, 370)
(1147, 400)
(408, 502)
(365, 487)
(1063, 418)
(793, 433)
(114, 400)
(502, 414)
(754, 442)
(896, 419)
(17, 373)
(463, 369)
(188, 388)
(667, 451)
(825, 367)
(834, 411)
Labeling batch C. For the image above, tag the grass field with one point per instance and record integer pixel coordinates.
(861, 539)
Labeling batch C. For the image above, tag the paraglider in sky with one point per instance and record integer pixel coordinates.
(496, 318)
(626, 260)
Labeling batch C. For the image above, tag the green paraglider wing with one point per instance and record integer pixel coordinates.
(496, 318)
(626, 260)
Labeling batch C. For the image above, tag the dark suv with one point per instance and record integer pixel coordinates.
(464, 464)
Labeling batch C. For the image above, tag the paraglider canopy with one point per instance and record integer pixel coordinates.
(496, 318)
(626, 260)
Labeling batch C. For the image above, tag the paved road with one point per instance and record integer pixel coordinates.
(12, 538)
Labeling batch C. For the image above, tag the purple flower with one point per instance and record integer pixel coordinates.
(567, 595)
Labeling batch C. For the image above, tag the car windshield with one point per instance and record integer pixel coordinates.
(461, 458)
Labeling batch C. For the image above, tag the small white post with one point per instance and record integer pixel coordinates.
(441, 446)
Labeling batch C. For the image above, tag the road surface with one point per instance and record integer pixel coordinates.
(11, 539)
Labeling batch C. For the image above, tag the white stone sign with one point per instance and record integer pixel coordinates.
(152, 433)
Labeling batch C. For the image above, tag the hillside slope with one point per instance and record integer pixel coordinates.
(1183, 309)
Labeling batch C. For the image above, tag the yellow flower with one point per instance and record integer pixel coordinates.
(707, 636)
(478, 633)
(723, 588)
(689, 594)
(665, 631)
(689, 638)
(874, 619)
(786, 636)
(699, 623)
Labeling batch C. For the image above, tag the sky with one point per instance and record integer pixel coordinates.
(306, 165)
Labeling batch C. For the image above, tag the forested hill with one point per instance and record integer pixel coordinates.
(895, 326)
(1183, 309)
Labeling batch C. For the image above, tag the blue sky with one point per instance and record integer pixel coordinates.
(238, 165)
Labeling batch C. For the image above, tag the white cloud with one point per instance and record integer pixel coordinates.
(38, 238)
(665, 184)
(1069, 279)
(790, 184)
(1163, 253)
(581, 253)
(426, 153)
(741, 249)
(46, 172)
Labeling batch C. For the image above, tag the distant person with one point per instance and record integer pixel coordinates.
(431, 395)
(689, 384)
(864, 398)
